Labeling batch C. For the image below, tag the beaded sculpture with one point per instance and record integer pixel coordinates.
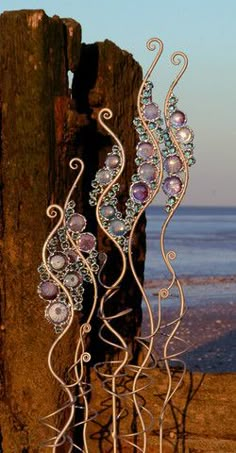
(164, 154)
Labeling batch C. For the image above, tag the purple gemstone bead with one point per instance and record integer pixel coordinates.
(76, 223)
(147, 172)
(145, 150)
(172, 185)
(151, 111)
(184, 135)
(58, 261)
(172, 164)
(87, 242)
(48, 290)
(73, 256)
(178, 119)
(139, 191)
(107, 211)
(117, 227)
(57, 313)
(73, 279)
(103, 176)
(112, 161)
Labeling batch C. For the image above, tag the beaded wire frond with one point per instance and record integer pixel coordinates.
(164, 153)
(69, 262)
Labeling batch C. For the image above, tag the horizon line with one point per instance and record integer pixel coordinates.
(195, 206)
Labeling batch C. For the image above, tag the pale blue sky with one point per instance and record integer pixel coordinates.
(206, 30)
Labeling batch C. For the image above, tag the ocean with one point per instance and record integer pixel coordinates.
(204, 239)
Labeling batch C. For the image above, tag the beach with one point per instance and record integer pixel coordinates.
(204, 240)
(209, 330)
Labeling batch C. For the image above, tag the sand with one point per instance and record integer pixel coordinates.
(208, 328)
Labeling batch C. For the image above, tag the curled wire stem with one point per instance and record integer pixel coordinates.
(81, 355)
(109, 380)
(74, 165)
(151, 45)
(177, 58)
(107, 114)
(52, 213)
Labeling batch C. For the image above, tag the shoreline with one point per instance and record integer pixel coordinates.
(209, 326)
(192, 280)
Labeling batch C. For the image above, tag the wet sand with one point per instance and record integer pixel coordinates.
(209, 328)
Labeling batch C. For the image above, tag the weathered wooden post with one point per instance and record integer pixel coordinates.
(42, 127)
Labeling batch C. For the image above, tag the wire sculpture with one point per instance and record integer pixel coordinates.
(69, 260)
(164, 154)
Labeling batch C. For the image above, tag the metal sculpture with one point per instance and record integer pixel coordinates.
(164, 154)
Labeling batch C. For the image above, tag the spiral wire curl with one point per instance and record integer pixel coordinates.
(76, 388)
(168, 256)
(123, 366)
(106, 114)
(151, 45)
(60, 437)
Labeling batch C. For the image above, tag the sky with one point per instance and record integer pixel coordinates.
(205, 30)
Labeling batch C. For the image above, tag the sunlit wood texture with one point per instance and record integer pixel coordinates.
(42, 127)
(199, 419)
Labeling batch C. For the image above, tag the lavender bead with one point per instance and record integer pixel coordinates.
(76, 223)
(117, 227)
(151, 111)
(103, 177)
(73, 279)
(87, 242)
(139, 191)
(172, 164)
(57, 313)
(112, 161)
(145, 150)
(147, 172)
(58, 261)
(178, 119)
(107, 211)
(48, 290)
(172, 185)
(73, 256)
(184, 135)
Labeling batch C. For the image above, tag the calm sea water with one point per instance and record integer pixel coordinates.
(204, 238)
(205, 242)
